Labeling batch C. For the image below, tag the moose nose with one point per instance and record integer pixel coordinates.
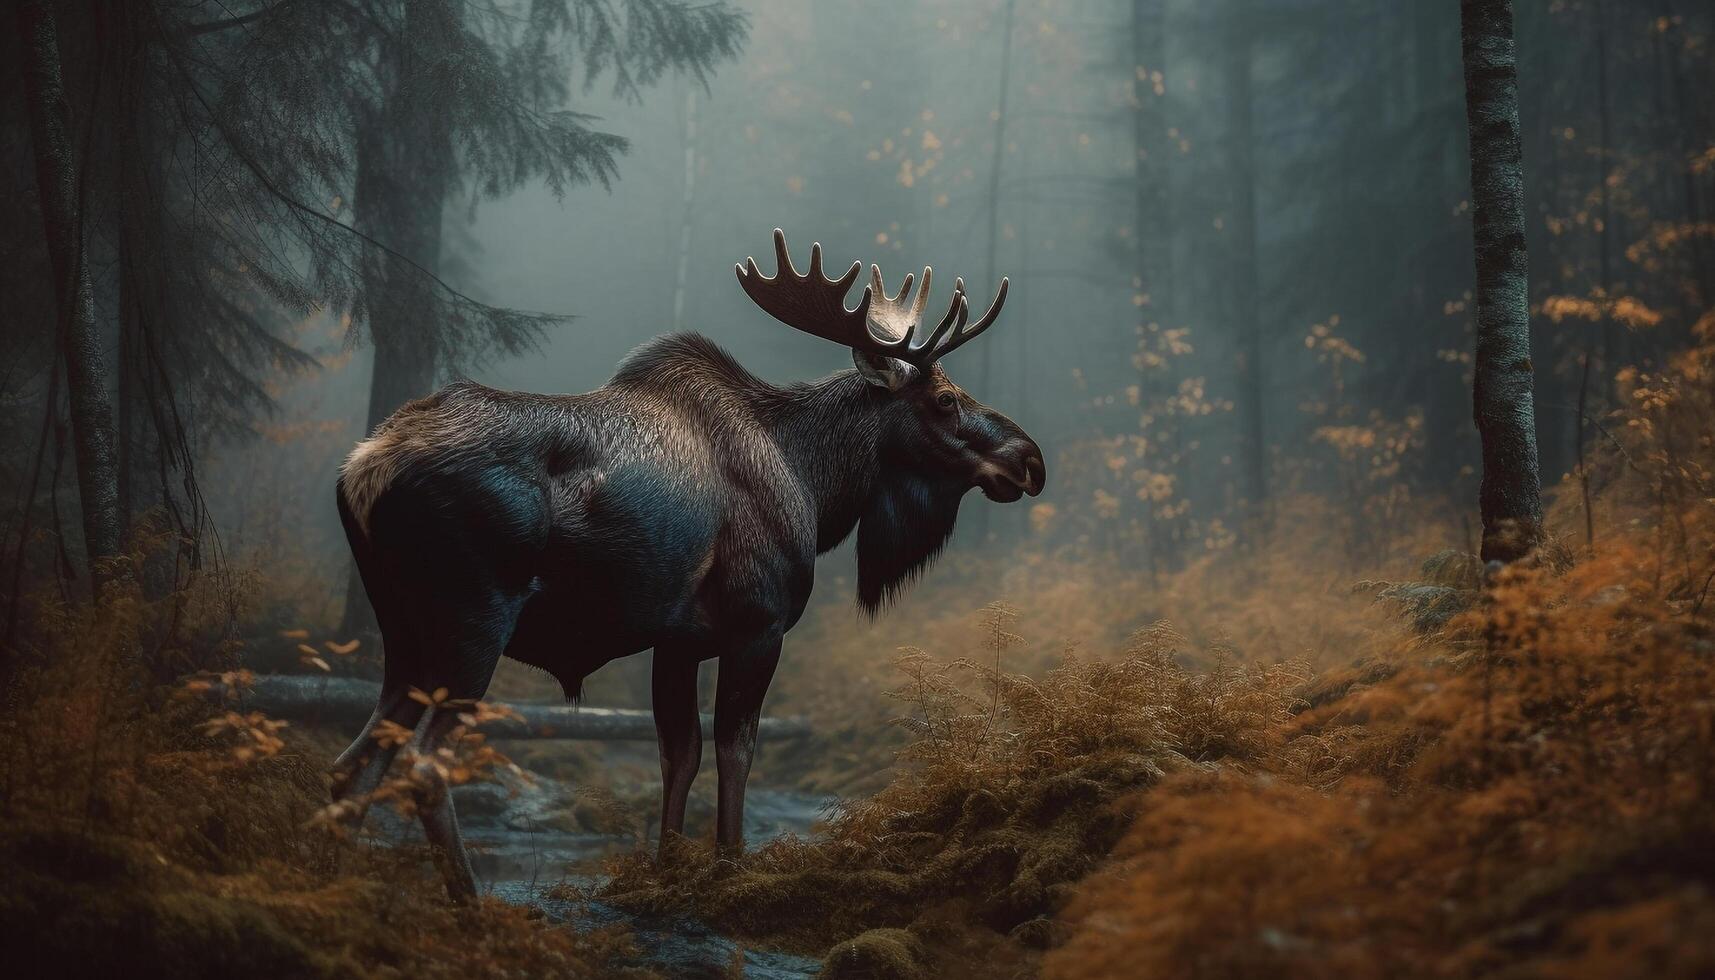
(1035, 474)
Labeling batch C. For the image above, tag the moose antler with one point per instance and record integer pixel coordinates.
(882, 325)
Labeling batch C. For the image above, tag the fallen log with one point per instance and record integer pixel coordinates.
(348, 701)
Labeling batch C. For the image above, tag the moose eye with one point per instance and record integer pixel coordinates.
(945, 400)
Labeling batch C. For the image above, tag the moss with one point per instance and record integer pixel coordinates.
(982, 869)
(991, 832)
(879, 954)
(79, 906)
(1039, 933)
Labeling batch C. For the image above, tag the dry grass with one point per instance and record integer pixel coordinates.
(1531, 794)
(1284, 602)
(1505, 777)
(149, 834)
(1008, 794)
(1348, 769)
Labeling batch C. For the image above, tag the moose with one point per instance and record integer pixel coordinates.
(680, 507)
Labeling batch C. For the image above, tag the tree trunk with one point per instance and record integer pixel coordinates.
(687, 211)
(1510, 496)
(403, 164)
(992, 199)
(86, 377)
(985, 360)
(348, 701)
(405, 214)
(1149, 144)
(1253, 456)
(140, 241)
(1150, 221)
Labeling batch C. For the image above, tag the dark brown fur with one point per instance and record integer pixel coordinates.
(679, 507)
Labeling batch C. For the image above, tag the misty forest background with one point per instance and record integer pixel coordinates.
(1239, 232)
(1242, 326)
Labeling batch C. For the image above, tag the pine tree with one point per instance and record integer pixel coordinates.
(240, 174)
(464, 104)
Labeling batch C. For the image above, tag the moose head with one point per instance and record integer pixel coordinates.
(946, 436)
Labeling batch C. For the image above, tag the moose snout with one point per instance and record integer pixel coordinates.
(1013, 471)
(1035, 474)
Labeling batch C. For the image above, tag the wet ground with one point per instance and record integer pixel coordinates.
(519, 856)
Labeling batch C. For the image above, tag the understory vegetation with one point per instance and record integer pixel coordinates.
(150, 832)
(1483, 772)
(1316, 306)
(1458, 771)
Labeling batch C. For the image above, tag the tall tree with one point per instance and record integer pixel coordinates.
(79, 347)
(466, 101)
(1153, 271)
(992, 198)
(687, 209)
(985, 371)
(404, 175)
(1149, 151)
(1510, 496)
(1246, 315)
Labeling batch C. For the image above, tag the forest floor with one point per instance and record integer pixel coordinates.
(1286, 762)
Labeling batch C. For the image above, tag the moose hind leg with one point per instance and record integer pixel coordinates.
(358, 771)
(434, 802)
(680, 733)
(744, 678)
(453, 545)
(463, 641)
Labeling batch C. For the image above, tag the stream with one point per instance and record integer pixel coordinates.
(518, 857)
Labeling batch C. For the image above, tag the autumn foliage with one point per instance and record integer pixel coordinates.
(152, 831)
(1516, 780)
(1287, 760)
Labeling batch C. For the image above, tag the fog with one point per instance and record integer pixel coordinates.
(1238, 238)
(1180, 188)
(1377, 506)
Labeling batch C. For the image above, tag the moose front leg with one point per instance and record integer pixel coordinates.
(744, 677)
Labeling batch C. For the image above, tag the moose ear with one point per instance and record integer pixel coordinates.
(883, 372)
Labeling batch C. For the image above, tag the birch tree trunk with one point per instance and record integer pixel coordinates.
(86, 376)
(1510, 495)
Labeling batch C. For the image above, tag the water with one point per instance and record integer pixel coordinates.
(519, 858)
(678, 946)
